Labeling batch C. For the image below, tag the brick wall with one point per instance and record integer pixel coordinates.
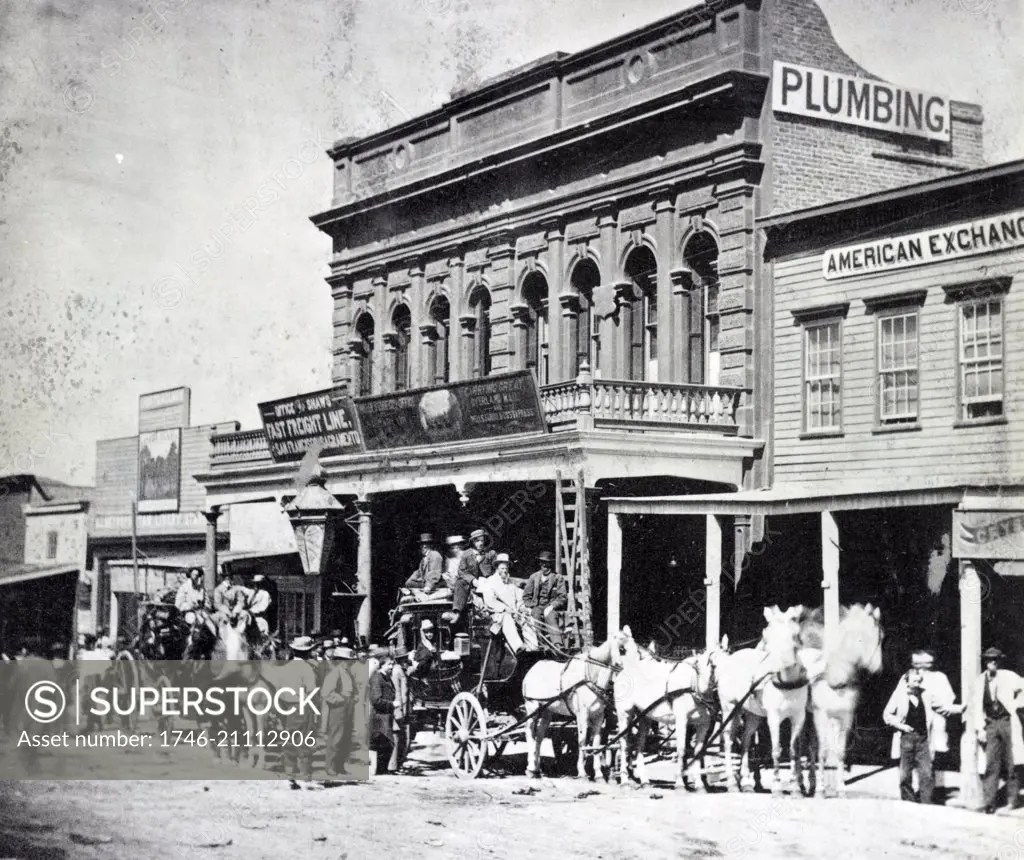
(818, 162)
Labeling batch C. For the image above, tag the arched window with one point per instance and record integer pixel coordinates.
(535, 297)
(480, 306)
(585, 344)
(439, 341)
(401, 322)
(640, 317)
(700, 256)
(364, 334)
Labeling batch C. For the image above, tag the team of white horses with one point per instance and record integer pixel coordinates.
(792, 671)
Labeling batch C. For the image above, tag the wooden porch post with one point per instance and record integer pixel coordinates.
(210, 574)
(363, 565)
(713, 580)
(614, 571)
(970, 669)
(830, 574)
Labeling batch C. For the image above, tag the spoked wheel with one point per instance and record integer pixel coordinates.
(164, 723)
(126, 677)
(465, 733)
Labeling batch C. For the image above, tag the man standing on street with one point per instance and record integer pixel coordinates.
(996, 701)
(545, 595)
(298, 675)
(919, 717)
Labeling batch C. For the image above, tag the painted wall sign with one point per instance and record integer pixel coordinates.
(323, 419)
(834, 97)
(917, 249)
(988, 534)
(476, 409)
(159, 470)
(163, 410)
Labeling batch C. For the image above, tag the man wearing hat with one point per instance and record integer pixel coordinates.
(474, 564)
(455, 545)
(259, 604)
(996, 700)
(429, 575)
(190, 599)
(917, 710)
(297, 675)
(545, 594)
(503, 598)
(339, 696)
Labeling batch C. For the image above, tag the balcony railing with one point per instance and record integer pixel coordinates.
(617, 402)
(579, 404)
(243, 447)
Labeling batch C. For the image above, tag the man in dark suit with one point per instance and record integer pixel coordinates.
(545, 595)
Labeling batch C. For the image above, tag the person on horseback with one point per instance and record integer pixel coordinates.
(191, 601)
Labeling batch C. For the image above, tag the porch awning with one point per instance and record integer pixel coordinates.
(184, 562)
(787, 499)
(10, 574)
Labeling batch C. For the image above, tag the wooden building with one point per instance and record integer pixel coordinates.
(592, 219)
(897, 414)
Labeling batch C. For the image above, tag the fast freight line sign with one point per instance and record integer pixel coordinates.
(833, 97)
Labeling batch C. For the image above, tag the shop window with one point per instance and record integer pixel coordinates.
(898, 394)
(981, 359)
(823, 361)
(51, 545)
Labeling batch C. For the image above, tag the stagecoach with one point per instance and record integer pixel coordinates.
(473, 691)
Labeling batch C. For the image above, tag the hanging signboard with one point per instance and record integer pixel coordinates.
(966, 239)
(988, 534)
(323, 419)
(833, 97)
(501, 405)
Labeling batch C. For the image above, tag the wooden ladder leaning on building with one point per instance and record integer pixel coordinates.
(572, 552)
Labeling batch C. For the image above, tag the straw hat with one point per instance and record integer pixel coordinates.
(302, 644)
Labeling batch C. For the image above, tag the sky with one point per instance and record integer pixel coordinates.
(130, 131)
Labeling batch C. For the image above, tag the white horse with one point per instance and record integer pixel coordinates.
(579, 689)
(835, 673)
(766, 681)
(667, 692)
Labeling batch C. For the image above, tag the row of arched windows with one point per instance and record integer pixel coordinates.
(637, 324)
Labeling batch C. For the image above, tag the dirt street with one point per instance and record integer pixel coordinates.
(435, 815)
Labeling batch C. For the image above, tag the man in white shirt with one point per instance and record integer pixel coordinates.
(456, 544)
(505, 601)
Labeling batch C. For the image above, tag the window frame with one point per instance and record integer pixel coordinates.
(887, 307)
(52, 544)
(817, 317)
(965, 295)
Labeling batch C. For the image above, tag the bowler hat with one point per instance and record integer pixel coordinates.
(502, 557)
(477, 533)
(454, 540)
(426, 624)
(302, 643)
(545, 555)
(993, 654)
(259, 577)
(426, 537)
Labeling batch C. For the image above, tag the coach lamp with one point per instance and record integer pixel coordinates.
(315, 516)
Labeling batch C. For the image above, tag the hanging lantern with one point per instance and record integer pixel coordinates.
(315, 516)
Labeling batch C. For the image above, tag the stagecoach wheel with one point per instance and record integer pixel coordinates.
(164, 723)
(126, 677)
(465, 733)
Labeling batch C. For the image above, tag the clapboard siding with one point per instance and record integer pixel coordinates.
(936, 453)
(117, 469)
